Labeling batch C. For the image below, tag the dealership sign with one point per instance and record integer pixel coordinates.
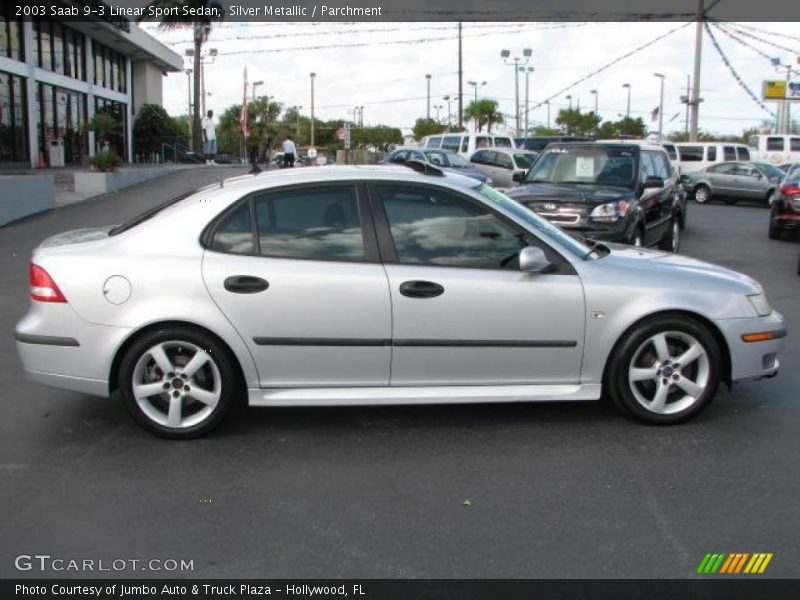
(780, 90)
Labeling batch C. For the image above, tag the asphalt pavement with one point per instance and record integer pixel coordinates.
(494, 491)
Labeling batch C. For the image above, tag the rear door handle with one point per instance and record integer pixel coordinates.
(421, 289)
(245, 284)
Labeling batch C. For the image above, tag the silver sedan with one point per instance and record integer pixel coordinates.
(732, 181)
(379, 285)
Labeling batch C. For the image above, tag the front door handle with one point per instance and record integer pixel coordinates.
(421, 289)
(245, 284)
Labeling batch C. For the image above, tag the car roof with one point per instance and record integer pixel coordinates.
(638, 143)
(504, 150)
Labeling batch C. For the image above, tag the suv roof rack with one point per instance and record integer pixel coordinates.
(424, 168)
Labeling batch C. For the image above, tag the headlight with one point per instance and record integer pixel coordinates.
(610, 211)
(760, 303)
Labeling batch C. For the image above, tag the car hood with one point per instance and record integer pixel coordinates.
(568, 193)
(682, 271)
(76, 236)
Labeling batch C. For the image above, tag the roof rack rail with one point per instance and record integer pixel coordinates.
(424, 168)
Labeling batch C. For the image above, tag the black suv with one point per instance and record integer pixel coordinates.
(616, 192)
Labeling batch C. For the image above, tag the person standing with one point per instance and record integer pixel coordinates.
(209, 139)
(289, 152)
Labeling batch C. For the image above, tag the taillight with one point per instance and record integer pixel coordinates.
(43, 288)
(790, 189)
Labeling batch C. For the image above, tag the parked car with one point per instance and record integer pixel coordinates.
(502, 165)
(785, 214)
(466, 143)
(348, 285)
(617, 192)
(444, 159)
(696, 156)
(537, 143)
(732, 181)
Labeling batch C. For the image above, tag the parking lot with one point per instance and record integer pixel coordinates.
(521, 490)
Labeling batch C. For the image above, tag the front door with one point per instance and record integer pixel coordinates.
(299, 279)
(463, 312)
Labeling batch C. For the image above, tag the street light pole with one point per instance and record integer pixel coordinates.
(505, 54)
(428, 79)
(660, 107)
(312, 75)
(595, 94)
(255, 85)
(297, 127)
(547, 102)
(448, 110)
(569, 97)
(628, 110)
(528, 71)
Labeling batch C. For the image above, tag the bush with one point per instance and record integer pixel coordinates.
(105, 161)
(152, 126)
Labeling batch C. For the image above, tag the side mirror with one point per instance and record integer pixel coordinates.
(533, 260)
(518, 177)
(757, 175)
(653, 182)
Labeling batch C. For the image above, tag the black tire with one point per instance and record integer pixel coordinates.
(775, 230)
(179, 342)
(672, 239)
(702, 194)
(621, 389)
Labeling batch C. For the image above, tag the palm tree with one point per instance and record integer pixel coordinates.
(485, 112)
(200, 23)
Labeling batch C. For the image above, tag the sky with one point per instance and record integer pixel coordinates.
(382, 66)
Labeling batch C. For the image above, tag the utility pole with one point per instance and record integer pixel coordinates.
(698, 50)
(460, 85)
(428, 112)
(313, 75)
(548, 113)
(191, 121)
(688, 100)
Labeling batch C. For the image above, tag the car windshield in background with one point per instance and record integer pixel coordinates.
(542, 226)
(771, 171)
(524, 161)
(445, 159)
(594, 165)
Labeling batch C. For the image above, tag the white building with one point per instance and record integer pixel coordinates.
(54, 77)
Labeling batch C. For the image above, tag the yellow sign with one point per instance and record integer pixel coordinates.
(774, 90)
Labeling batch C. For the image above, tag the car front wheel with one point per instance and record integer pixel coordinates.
(665, 370)
(672, 239)
(177, 383)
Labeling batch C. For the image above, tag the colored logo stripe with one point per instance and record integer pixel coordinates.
(734, 563)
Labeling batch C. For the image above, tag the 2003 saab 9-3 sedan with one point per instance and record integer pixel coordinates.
(359, 285)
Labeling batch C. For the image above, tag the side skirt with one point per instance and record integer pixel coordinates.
(353, 396)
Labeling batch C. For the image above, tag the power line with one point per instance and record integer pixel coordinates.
(774, 33)
(736, 38)
(738, 79)
(763, 41)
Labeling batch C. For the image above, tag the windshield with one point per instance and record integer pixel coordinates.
(601, 165)
(538, 224)
(445, 159)
(524, 161)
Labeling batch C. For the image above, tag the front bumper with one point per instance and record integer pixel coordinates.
(753, 360)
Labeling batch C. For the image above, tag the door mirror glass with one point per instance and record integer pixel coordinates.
(533, 260)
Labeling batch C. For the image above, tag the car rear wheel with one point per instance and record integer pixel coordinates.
(177, 383)
(702, 194)
(665, 370)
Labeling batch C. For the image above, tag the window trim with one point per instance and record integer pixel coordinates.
(386, 241)
(368, 235)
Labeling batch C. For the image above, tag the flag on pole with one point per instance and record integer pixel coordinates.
(243, 114)
(654, 114)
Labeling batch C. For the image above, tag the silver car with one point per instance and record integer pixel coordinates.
(358, 285)
(734, 181)
(505, 166)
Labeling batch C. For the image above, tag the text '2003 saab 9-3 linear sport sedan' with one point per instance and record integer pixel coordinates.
(359, 285)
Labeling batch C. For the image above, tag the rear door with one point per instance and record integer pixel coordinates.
(297, 273)
(463, 312)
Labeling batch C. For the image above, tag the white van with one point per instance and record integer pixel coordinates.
(669, 147)
(694, 156)
(466, 143)
(778, 149)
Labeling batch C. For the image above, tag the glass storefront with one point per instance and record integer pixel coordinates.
(62, 115)
(59, 48)
(119, 112)
(109, 68)
(10, 32)
(13, 138)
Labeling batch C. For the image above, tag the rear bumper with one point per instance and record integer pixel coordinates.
(754, 360)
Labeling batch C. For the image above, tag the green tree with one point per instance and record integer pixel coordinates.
(484, 112)
(625, 127)
(546, 131)
(380, 137)
(199, 20)
(574, 122)
(424, 127)
(152, 127)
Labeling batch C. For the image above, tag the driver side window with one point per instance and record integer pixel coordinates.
(435, 227)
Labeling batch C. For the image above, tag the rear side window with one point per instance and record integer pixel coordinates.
(451, 142)
(671, 151)
(481, 157)
(503, 142)
(723, 169)
(503, 160)
(729, 153)
(775, 144)
(794, 144)
(691, 153)
(743, 153)
(481, 141)
(433, 142)
(311, 223)
(235, 233)
(711, 153)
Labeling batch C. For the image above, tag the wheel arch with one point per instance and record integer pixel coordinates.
(113, 374)
(708, 323)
